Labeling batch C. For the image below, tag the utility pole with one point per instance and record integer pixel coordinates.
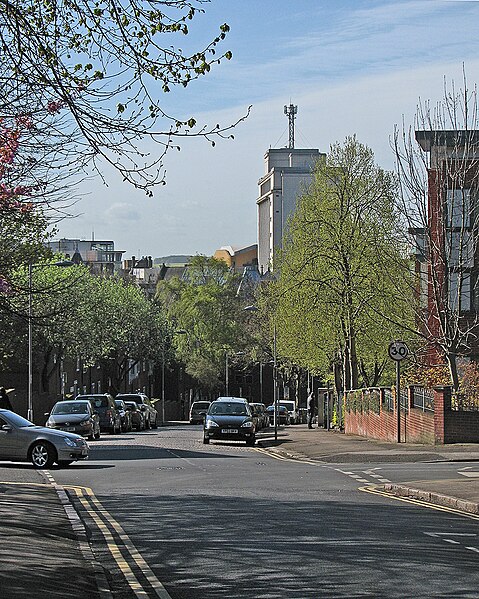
(291, 111)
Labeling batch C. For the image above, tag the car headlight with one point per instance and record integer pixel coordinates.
(211, 424)
(50, 423)
(85, 422)
(69, 442)
(247, 424)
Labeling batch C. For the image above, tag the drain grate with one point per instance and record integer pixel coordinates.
(171, 468)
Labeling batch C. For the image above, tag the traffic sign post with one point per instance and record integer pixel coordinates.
(397, 351)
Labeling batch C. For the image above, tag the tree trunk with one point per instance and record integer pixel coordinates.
(452, 364)
(353, 360)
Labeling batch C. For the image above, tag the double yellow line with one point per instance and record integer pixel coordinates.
(283, 458)
(106, 523)
(432, 506)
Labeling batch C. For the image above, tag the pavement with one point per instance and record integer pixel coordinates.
(45, 552)
(335, 447)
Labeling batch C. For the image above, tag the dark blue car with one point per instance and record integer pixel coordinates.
(229, 419)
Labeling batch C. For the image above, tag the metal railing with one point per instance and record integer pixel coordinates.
(423, 399)
(388, 400)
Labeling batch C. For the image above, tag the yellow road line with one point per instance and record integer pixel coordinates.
(285, 458)
(113, 547)
(25, 484)
(440, 508)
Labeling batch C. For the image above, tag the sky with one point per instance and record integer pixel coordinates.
(350, 66)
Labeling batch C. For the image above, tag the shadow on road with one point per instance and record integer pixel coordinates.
(218, 546)
(145, 452)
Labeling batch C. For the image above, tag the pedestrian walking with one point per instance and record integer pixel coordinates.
(311, 409)
(5, 400)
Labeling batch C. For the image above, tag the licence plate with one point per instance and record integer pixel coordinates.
(226, 431)
(70, 429)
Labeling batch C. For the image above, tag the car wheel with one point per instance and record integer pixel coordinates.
(42, 455)
(206, 441)
(65, 463)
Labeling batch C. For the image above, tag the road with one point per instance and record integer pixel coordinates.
(170, 517)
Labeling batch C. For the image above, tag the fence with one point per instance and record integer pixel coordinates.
(373, 413)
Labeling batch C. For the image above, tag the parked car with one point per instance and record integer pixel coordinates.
(198, 411)
(229, 418)
(290, 405)
(137, 416)
(75, 417)
(283, 415)
(259, 409)
(125, 416)
(23, 441)
(104, 405)
(145, 405)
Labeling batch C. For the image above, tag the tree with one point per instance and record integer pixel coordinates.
(98, 319)
(337, 295)
(100, 70)
(438, 169)
(205, 305)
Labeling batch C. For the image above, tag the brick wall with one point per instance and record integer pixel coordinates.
(461, 427)
(379, 420)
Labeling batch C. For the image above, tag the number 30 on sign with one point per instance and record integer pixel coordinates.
(398, 350)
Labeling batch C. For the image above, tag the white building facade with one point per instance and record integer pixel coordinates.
(288, 174)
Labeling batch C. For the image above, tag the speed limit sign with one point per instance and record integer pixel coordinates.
(398, 350)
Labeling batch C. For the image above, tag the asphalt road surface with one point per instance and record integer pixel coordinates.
(170, 517)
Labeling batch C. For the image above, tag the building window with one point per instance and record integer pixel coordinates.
(458, 205)
(464, 292)
(460, 249)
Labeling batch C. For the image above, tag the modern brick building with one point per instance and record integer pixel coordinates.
(446, 247)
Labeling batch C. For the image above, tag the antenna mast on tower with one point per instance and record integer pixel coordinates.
(291, 111)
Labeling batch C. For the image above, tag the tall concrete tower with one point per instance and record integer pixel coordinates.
(288, 172)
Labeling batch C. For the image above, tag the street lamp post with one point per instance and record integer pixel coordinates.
(275, 385)
(178, 332)
(64, 264)
(275, 374)
(227, 387)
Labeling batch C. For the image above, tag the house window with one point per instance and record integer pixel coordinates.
(464, 294)
(458, 203)
(460, 249)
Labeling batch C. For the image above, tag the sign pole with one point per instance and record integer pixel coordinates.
(397, 351)
(398, 398)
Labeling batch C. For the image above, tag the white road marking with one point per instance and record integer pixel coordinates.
(473, 549)
(470, 474)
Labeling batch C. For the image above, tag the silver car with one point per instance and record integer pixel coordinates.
(23, 441)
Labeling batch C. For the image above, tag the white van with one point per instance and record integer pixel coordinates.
(290, 405)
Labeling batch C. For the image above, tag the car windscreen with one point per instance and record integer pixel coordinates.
(200, 405)
(100, 402)
(16, 420)
(135, 398)
(131, 405)
(226, 408)
(70, 407)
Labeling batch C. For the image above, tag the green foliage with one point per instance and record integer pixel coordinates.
(339, 296)
(204, 305)
(98, 319)
(102, 65)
